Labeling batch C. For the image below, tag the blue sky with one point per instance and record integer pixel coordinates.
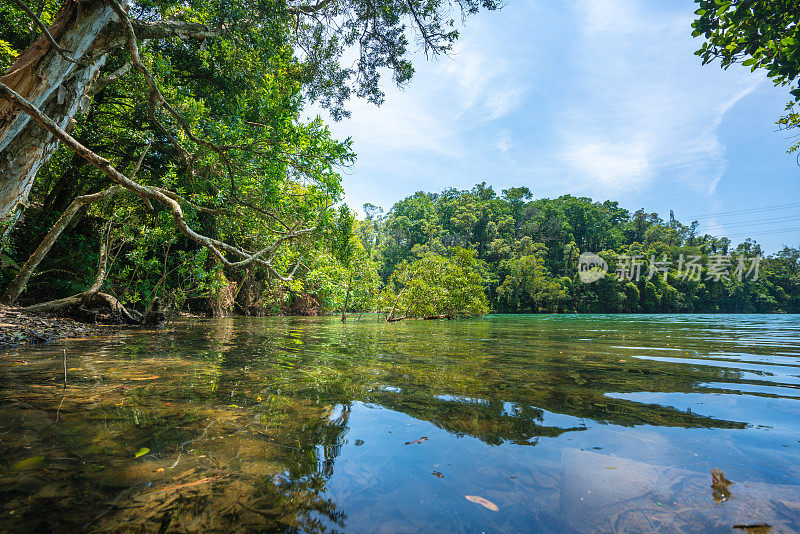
(598, 98)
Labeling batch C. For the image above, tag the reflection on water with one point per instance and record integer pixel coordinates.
(562, 423)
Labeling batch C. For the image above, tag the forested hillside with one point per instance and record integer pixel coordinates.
(528, 253)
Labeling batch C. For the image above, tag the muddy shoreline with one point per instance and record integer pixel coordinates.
(19, 328)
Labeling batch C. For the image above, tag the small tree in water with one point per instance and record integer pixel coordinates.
(436, 286)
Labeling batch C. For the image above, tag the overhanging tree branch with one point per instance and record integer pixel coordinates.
(170, 28)
(17, 286)
(105, 81)
(262, 257)
(309, 8)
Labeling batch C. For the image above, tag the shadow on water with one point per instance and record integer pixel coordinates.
(563, 423)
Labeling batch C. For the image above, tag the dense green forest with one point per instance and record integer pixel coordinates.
(160, 149)
(527, 253)
(458, 252)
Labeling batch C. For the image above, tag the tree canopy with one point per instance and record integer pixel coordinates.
(436, 286)
(163, 148)
(526, 251)
(181, 123)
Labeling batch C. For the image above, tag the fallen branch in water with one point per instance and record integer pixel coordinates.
(113, 504)
(191, 484)
(185, 443)
(255, 511)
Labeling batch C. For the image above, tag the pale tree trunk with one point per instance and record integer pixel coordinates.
(87, 30)
(390, 318)
(55, 85)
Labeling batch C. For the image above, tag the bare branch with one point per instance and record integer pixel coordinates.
(170, 28)
(155, 94)
(138, 165)
(308, 8)
(175, 196)
(102, 263)
(105, 81)
(39, 10)
(17, 286)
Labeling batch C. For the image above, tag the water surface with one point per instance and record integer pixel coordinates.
(551, 423)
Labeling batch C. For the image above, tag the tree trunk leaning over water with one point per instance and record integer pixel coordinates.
(59, 81)
(17, 286)
(51, 80)
(54, 78)
(80, 305)
(20, 118)
(347, 297)
(56, 72)
(169, 199)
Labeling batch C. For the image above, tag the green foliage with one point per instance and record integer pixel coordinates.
(436, 285)
(530, 287)
(449, 253)
(530, 249)
(345, 275)
(244, 89)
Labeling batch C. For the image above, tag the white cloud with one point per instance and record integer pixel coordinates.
(480, 80)
(609, 16)
(402, 124)
(600, 98)
(640, 111)
(503, 143)
(447, 95)
(615, 166)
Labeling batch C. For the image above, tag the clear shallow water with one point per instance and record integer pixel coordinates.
(563, 423)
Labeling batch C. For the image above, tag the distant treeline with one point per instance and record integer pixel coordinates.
(528, 253)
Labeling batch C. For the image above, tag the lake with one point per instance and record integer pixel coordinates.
(551, 423)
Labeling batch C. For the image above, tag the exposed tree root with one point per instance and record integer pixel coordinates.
(449, 317)
(95, 306)
(89, 307)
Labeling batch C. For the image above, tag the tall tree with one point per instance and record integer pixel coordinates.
(196, 69)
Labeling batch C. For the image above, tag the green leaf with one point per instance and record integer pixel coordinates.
(141, 452)
(748, 62)
(29, 463)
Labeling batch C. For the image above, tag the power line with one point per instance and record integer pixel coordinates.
(758, 222)
(742, 212)
(767, 232)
